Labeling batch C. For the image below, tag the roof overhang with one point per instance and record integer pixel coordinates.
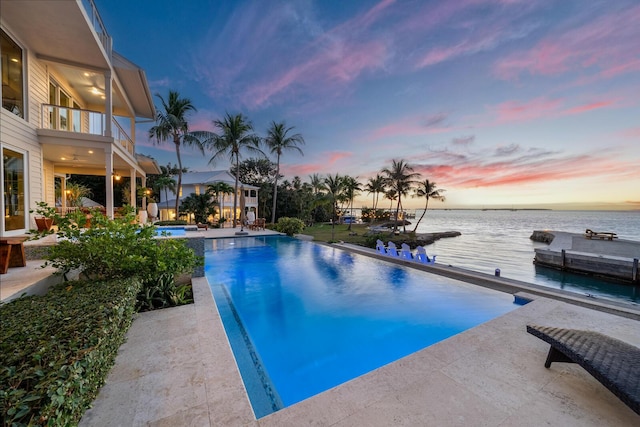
(134, 82)
(56, 29)
(148, 165)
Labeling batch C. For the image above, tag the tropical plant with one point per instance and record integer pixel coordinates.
(289, 226)
(118, 248)
(351, 190)
(171, 124)
(400, 178)
(428, 190)
(166, 183)
(218, 190)
(279, 139)
(376, 186)
(200, 205)
(333, 185)
(76, 193)
(235, 135)
(161, 292)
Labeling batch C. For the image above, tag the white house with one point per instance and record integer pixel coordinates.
(69, 105)
(198, 182)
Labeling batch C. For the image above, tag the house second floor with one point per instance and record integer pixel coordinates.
(64, 85)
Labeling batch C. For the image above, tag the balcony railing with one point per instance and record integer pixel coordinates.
(83, 121)
(98, 26)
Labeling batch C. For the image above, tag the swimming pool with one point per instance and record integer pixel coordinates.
(170, 231)
(302, 318)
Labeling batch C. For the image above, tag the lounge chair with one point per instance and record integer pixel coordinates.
(405, 252)
(392, 250)
(422, 257)
(380, 247)
(614, 363)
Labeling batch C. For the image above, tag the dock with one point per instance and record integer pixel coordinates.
(610, 258)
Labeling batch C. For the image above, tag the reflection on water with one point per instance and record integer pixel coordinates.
(500, 239)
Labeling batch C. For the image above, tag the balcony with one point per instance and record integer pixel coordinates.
(81, 121)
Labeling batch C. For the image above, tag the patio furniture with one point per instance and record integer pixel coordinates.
(392, 250)
(380, 247)
(589, 234)
(405, 252)
(12, 253)
(615, 363)
(422, 257)
(201, 225)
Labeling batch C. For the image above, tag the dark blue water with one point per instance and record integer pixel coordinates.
(318, 316)
(500, 239)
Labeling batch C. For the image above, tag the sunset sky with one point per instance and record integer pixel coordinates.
(532, 103)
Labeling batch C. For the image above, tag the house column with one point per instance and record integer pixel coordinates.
(132, 188)
(108, 103)
(108, 180)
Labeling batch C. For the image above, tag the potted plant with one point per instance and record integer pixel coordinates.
(45, 215)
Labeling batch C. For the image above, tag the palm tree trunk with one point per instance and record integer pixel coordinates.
(395, 226)
(235, 192)
(275, 192)
(422, 216)
(176, 140)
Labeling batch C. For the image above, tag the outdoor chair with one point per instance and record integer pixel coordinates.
(615, 363)
(392, 250)
(405, 252)
(380, 247)
(422, 257)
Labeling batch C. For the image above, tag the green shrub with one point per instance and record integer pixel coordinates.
(56, 350)
(161, 292)
(289, 226)
(172, 222)
(118, 248)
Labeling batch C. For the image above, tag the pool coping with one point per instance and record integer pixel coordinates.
(177, 368)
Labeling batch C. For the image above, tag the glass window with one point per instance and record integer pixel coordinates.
(12, 75)
(13, 190)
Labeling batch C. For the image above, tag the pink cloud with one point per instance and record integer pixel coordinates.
(514, 111)
(589, 107)
(605, 44)
(411, 126)
(539, 108)
(340, 64)
(470, 171)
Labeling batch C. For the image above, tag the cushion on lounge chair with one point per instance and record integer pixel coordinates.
(614, 363)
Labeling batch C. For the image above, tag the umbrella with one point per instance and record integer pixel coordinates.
(242, 204)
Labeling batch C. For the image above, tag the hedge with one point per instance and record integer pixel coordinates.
(56, 350)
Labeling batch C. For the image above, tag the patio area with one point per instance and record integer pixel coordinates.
(177, 368)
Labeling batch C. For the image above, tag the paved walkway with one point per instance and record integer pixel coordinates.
(177, 369)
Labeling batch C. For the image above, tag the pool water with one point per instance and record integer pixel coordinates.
(302, 318)
(171, 231)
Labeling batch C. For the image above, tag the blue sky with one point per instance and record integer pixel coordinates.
(501, 102)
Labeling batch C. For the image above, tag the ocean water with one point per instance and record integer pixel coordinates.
(500, 239)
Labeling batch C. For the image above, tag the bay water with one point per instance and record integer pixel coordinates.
(500, 239)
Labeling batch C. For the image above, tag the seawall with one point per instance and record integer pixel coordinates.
(614, 259)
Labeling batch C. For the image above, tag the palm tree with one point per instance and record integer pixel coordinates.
(219, 189)
(351, 190)
(333, 185)
(400, 178)
(429, 190)
(278, 140)
(376, 186)
(235, 136)
(164, 182)
(171, 123)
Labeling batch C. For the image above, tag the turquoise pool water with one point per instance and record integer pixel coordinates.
(302, 318)
(171, 231)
